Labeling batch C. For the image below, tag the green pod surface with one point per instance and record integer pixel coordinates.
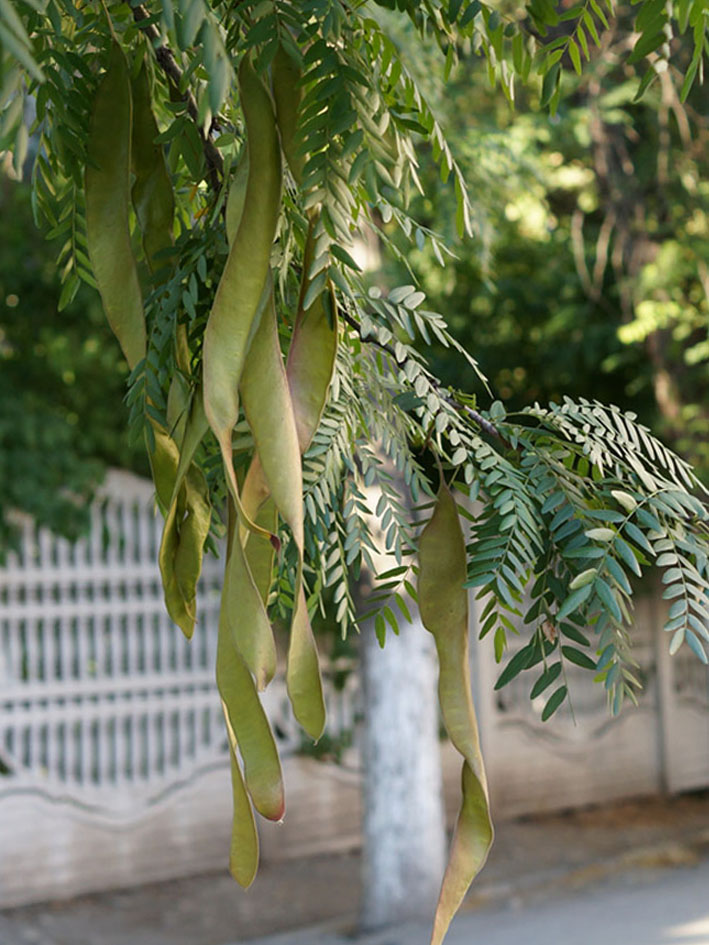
(247, 719)
(287, 94)
(260, 554)
(193, 531)
(266, 399)
(152, 194)
(443, 604)
(244, 847)
(312, 355)
(268, 407)
(107, 189)
(238, 295)
(180, 610)
(245, 614)
(236, 198)
(303, 678)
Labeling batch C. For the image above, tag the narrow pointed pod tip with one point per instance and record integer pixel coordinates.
(303, 679)
(244, 846)
(248, 725)
(107, 192)
(443, 604)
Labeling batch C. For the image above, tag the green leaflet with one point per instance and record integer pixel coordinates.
(107, 187)
(443, 604)
(152, 194)
(246, 717)
(237, 299)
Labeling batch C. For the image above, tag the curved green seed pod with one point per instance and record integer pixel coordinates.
(245, 614)
(244, 848)
(107, 186)
(269, 411)
(287, 94)
(237, 299)
(443, 603)
(194, 529)
(260, 554)
(246, 717)
(237, 198)
(267, 404)
(312, 354)
(152, 193)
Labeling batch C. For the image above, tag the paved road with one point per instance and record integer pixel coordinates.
(670, 907)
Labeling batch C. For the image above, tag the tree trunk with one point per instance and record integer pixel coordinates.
(404, 823)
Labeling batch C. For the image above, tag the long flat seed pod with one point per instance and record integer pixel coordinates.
(237, 299)
(107, 187)
(269, 411)
(245, 615)
(244, 847)
(287, 94)
(443, 603)
(260, 554)
(237, 198)
(312, 354)
(194, 529)
(247, 719)
(152, 193)
(267, 404)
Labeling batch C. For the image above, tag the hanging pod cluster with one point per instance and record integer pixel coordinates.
(120, 148)
(443, 603)
(242, 368)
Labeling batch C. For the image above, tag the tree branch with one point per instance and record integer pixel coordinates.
(487, 426)
(168, 64)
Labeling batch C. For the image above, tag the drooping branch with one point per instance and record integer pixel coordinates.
(168, 64)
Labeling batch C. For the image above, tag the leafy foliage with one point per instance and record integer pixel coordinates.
(285, 132)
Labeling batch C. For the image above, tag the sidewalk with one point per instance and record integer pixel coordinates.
(315, 901)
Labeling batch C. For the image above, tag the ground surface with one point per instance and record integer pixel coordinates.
(624, 848)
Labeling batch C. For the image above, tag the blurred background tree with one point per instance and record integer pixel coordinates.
(590, 273)
(62, 382)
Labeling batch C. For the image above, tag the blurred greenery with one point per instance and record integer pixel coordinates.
(590, 273)
(62, 383)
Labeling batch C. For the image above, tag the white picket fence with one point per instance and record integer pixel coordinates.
(113, 765)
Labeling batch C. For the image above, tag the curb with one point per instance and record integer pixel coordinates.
(667, 854)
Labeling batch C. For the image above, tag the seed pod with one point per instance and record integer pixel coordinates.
(236, 303)
(107, 187)
(244, 848)
(312, 354)
(237, 198)
(443, 603)
(248, 721)
(287, 94)
(245, 614)
(269, 411)
(152, 194)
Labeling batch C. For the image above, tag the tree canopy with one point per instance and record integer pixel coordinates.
(209, 167)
